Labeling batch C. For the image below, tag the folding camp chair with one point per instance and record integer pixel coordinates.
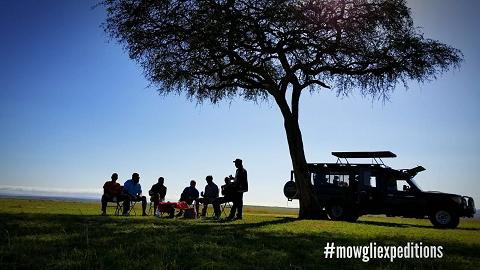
(133, 203)
(223, 208)
(118, 205)
(150, 208)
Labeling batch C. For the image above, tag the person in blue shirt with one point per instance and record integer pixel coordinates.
(133, 191)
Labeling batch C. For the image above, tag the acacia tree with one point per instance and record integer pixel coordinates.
(260, 49)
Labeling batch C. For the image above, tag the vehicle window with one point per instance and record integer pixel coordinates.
(340, 180)
(403, 185)
(373, 181)
(415, 184)
(319, 179)
(353, 181)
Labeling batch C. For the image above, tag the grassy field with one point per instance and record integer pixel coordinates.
(41, 234)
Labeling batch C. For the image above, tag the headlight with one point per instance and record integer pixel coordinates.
(457, 200)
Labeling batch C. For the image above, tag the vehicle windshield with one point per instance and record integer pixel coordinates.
(415, 183)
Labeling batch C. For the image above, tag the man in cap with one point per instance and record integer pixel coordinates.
(241, 186)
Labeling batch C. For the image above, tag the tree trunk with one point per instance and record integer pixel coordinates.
(309, 206)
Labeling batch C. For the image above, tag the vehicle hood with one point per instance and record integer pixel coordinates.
(443, 194)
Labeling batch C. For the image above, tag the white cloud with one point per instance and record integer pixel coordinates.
(44, 191)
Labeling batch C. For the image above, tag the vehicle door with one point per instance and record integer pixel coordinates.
(400, 199)
(368, 196)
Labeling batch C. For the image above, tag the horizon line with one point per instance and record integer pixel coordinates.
(84, 194)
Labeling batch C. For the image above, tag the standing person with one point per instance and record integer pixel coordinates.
(209, 196)
(111, 190)
(189, 195)
(241, 186)
(158, 192)
(133, 191)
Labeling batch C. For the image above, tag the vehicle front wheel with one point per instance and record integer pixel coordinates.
(352, 217)
(444, 218)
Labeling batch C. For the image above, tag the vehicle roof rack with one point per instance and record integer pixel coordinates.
(373, 155)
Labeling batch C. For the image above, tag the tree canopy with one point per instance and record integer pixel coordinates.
(212, 49)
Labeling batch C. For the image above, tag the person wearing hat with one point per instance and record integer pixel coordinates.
(241, 186)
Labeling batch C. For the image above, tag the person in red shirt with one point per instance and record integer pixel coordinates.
(111, 190)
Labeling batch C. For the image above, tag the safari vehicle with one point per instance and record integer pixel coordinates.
(348, 190)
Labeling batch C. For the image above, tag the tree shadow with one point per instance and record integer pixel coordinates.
(35, 241)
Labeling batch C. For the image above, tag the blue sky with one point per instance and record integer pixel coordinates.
(74, 109)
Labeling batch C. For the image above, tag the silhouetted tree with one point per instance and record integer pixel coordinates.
(216, 49)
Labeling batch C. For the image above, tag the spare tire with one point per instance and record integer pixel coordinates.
(290, 190)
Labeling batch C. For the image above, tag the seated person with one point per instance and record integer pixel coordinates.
(209, 196)
(133, 192)
(111, 190)
(228, 191)
(189, 195)
(158, 192)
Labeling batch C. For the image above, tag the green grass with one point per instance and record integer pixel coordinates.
(39, 234)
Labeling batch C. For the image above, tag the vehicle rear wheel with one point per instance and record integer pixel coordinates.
(336, 211)
(444, 218)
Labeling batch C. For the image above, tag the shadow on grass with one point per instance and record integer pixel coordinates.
(39, 241)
